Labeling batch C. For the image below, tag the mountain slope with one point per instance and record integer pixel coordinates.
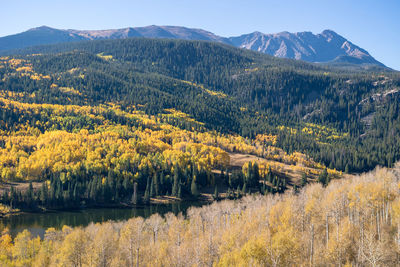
(153, 31)
(37, 36)
(325, 112)
(46, 35)
(327, 47)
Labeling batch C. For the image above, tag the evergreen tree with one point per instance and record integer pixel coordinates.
(238, 192)
(44, 194)
(244, 188)
(29, 196)
(75, 194)
(152, 190)
(162, 183)
(270, 176)
(175, 186)
(126, 185)
(303, 180)
(230, 181)
(295, 189)
(13, 197)
(156, 185)
(146, 197)
(323, 178)
(134, 194)
(5, 198)
(193, 187)
(180, 191)
(264, 185)
(216, 195)
(346, 169)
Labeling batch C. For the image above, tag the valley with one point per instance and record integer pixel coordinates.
(185, 145)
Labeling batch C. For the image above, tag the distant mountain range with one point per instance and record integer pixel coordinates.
(326, 47)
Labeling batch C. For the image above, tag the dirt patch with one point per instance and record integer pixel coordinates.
(238, 160)
(292, 173)
(20, 186)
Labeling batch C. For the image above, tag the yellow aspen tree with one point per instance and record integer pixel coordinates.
(5, 248)
(131, 239)
(73, 248)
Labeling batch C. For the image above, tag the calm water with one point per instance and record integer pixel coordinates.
(37, 223)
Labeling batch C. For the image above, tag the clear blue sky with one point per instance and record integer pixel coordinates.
(372, 24)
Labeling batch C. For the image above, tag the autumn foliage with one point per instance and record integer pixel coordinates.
(349, 222)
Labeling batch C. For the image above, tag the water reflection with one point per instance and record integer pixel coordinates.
(37, 223)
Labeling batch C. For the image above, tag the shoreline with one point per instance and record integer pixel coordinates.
(163, 200)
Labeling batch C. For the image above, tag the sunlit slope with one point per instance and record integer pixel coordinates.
(229, 90)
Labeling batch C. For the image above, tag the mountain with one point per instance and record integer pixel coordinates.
(46, 35)
(327, 47)
(37, 36)
(153, 31)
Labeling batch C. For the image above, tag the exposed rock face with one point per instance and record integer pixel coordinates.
(324, 47)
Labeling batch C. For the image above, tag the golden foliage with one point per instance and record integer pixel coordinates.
(350, 221)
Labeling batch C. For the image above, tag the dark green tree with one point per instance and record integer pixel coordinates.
(303, 180)
(134, 198)
(193, 187)
(323, 177)
(216, 194)
(175, 186)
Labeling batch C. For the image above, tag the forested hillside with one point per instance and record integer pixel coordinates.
(348, 223)
(96, 153)
(346, 120)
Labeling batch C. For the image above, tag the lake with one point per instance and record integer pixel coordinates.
(37, 223)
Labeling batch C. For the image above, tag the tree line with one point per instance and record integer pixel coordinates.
(348, 222)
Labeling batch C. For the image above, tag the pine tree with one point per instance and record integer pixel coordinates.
(146, 197)
(346, 169)
(263, 185)
(156, 185)
(244, 188)
(92, 191)
(323, 178)
(267, 190)
(295, 189)
(5, 197)
(216, 195)
(270, 178)
(255, 175)
(13, 198)
(331, 165)
(152, 190)
(175, 186)
(230, 180)
(126, 185)
(134, 194)
(180, 191)
(29, 196)
(161, 188)
(237, 195)
(303, 181)
(75, 194)
(193, 188)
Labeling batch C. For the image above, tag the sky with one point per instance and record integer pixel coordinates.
(371, 24)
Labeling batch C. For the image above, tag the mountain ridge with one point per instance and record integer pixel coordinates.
(324, 47)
